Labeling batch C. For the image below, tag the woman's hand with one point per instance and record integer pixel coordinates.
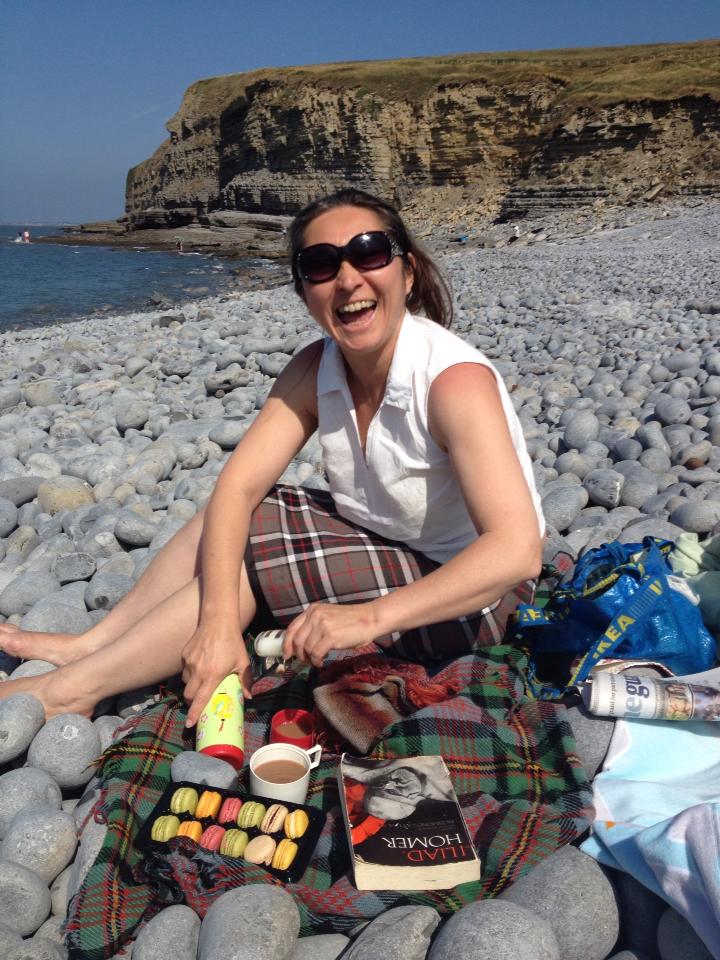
(213, 651)
(330, 626)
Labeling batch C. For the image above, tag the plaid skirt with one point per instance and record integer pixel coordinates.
(301, 551)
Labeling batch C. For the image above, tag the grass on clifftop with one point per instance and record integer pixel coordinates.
(594, 75)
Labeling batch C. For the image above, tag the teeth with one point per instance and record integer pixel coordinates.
(355, 307)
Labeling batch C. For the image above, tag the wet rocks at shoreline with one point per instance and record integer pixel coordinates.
(113, 431)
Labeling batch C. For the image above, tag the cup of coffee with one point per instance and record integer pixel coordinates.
(281, 771)
(292, 726)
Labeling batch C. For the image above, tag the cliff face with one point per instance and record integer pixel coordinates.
(512, 128)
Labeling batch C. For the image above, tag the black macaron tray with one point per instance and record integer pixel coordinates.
(290, 873)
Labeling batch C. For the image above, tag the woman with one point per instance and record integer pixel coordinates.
(432, 517)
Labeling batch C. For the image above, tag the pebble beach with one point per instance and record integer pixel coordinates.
(113, 430)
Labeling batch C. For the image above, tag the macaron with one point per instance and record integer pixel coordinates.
(184, 800)
(234, 843)
(212, 837)
(229, 810)
(284, 854)
(251, 814)
(260, 850)
(165, 828)
(191, 829)
(274, 818)
(296, 823)
(208, 804)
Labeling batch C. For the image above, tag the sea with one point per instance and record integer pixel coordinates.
(44, 283)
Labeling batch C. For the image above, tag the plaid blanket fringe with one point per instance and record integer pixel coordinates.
(512, 760)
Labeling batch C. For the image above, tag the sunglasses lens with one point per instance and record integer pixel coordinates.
(369, 251)
(319, 263)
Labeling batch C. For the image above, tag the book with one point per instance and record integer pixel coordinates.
(630, 694)
(404, 825)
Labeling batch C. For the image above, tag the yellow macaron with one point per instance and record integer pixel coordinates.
(296, 823)
(284, 854)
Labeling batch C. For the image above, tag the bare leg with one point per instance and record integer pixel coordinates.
(148, 652)
(173, 567)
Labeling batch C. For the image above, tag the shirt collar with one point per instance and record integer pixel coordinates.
(398, 389)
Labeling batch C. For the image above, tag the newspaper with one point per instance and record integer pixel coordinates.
(630, 694)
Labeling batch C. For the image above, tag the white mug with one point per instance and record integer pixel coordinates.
(296, 790)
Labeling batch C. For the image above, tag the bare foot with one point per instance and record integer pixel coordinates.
(57, 648)
(50, 689)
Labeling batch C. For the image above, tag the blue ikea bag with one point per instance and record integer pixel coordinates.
(623, 601)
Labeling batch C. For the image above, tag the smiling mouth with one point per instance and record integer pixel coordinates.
(352, 312)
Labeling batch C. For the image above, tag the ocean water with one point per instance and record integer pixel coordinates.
(41, 283)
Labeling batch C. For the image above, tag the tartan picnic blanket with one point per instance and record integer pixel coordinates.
(512, 760)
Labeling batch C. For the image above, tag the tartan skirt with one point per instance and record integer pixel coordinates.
(301, 551)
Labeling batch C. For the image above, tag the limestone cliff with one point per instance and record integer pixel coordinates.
(512, 130)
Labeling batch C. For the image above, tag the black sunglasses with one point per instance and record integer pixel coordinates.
(366, 251)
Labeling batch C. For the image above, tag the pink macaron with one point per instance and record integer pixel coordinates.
(212, 838)
(230, 810)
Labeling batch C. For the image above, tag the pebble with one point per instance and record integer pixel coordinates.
(199, 768)
(403, 933)
(172, 933)
(256, 922)
(571, 891)
(495, 930)
(24, 898)
(21, 717)
(323, 946)
(677, 940)
(26, 788)
(42, 840)
(67, 748)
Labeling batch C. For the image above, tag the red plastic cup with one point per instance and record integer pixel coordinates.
(293, 726)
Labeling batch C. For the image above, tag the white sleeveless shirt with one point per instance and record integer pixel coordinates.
(404, 487)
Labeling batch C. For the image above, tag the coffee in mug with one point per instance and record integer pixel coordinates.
(281, 771)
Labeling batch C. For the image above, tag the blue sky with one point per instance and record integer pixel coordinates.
(87, 85)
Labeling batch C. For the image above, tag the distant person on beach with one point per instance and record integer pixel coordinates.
(430, 533)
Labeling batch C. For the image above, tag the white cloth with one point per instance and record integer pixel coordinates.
(404, 487)
(657, 815)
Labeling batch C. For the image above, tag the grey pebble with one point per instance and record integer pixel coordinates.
(32, 668)
(26, 788)
(67, 748)
(24, 898)
(696, 516)
(106, 726)
(59, 892)
(9, 940)
(70, 567)
(8, 516)
(592, 737)
(39, 948)
(403, 933)
(20, 490)
(107, 589)
(604, 487)
(570, 890)
(677, 940)
(229, 432)
(322, 946)
(256, 922)
(172, 933)
(20, 595)
(199, 768)
(50, 615)
(495, 930)
(42, 840)
(91, 840)
(21, 716)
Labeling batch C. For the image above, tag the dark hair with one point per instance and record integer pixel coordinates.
(430, 291)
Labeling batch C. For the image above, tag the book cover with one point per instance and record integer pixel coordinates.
(404, 825)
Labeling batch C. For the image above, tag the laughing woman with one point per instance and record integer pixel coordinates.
(430, 533)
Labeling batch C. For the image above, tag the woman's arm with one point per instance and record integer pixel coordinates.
(286, 421)
(467, 419)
